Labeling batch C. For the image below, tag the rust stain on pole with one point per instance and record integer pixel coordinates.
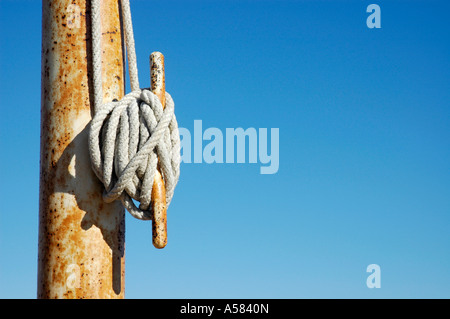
(159, 224)
(81, 238)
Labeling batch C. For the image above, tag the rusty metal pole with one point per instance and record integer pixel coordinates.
(81, 238)
(159, 224)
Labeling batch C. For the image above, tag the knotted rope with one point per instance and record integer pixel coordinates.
(127, 137)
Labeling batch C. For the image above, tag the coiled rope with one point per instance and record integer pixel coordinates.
(127, 137)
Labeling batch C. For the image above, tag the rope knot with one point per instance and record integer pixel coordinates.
(126, 139)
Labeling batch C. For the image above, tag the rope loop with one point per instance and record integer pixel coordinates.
(126, 139)
(130, 139)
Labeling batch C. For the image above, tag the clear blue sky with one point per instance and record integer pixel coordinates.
(364, 118)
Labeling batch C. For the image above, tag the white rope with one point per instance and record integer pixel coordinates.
(96, 53)
(129, 40)
(127, 137)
